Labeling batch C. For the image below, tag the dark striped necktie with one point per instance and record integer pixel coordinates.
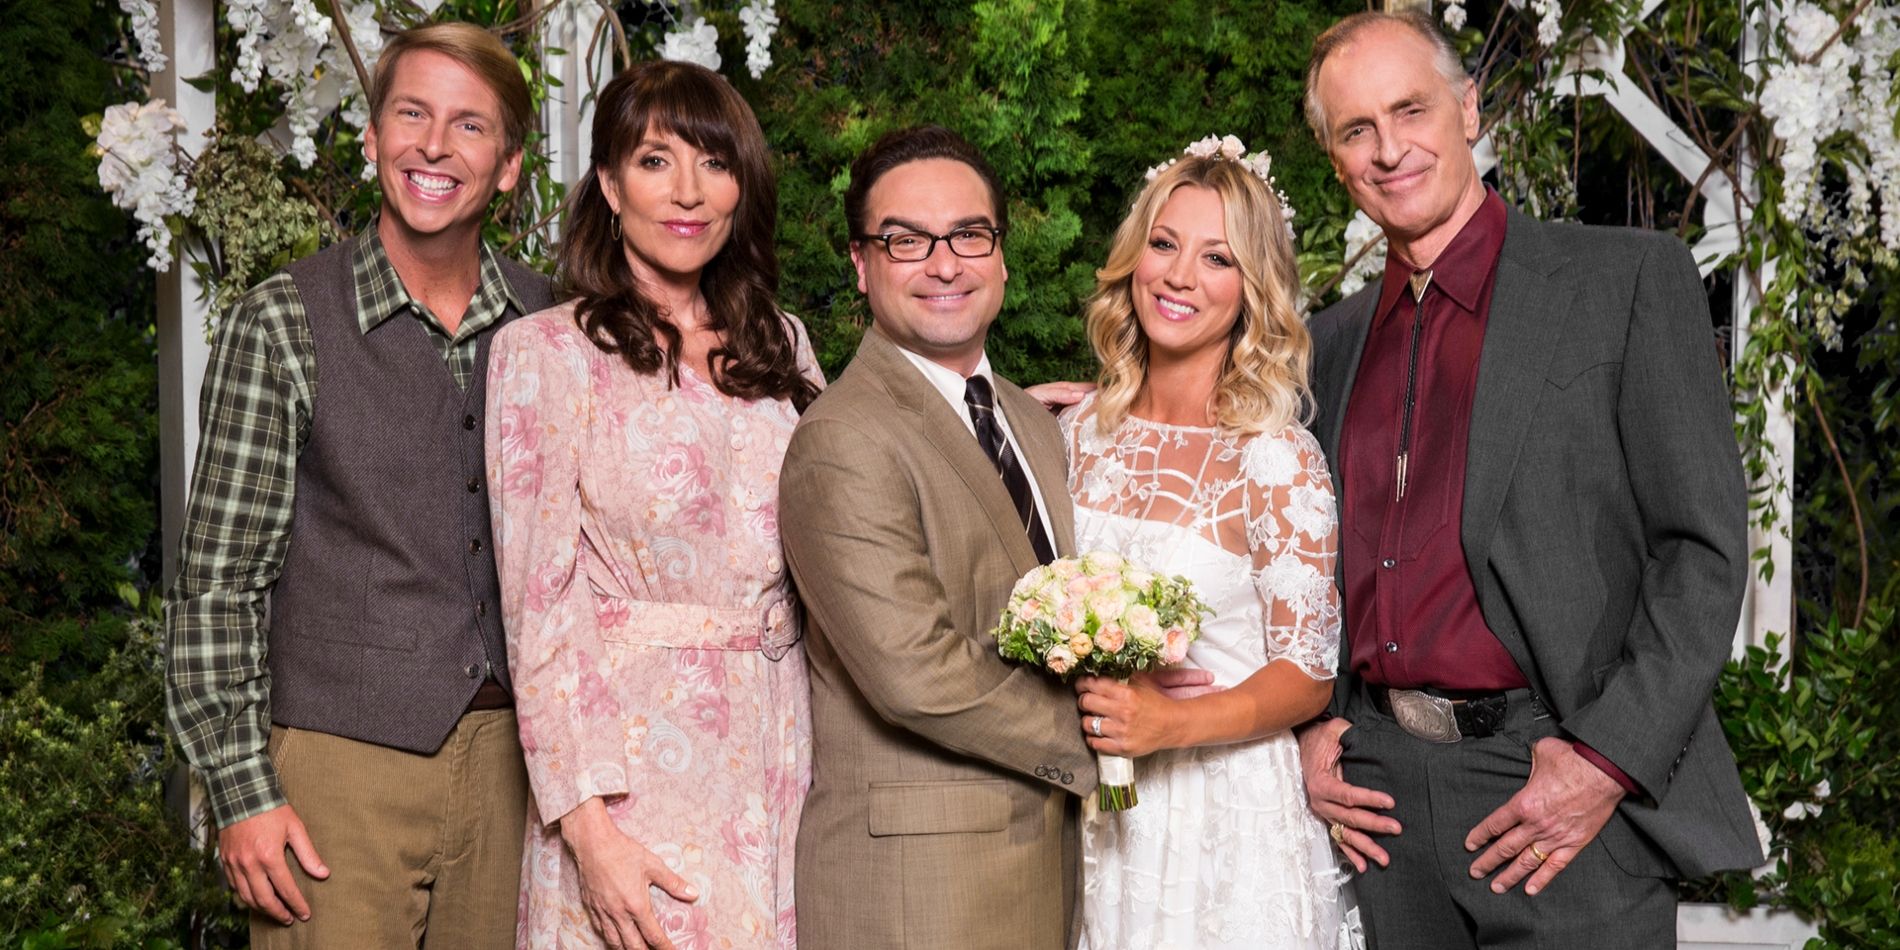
(981, 399)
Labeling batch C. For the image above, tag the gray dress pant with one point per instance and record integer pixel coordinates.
(1427, 899)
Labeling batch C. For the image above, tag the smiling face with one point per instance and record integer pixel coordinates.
(941, 307)
(1399, 137)
(440, 149)
(675, 205)
(1186, 287)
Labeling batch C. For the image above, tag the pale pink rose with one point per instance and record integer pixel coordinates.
(1107, 605)
(1139, 579)
(1105, 582)
(1142, 621)
(1078, 586)
(1174, 646)
(1069, 618)
(1065, 568)
(1030, 581)
(1028, 610)
(1081, 645)
(1110, 639)
(1059, 660)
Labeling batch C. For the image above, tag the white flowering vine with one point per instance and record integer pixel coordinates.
(151, 50)
(1454, 15)
(1550, 25)
(696, 42)
(1365, 254)
(139, 168)
(759, 20)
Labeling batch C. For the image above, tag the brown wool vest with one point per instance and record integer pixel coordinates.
(385, 619)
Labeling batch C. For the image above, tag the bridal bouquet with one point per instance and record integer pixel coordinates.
(1100, 614)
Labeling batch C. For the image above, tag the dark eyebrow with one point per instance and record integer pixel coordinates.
(893, 221)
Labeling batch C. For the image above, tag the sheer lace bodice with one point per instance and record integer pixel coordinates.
(1179, 497)
(1221, 852)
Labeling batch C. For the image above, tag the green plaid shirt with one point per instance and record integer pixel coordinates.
(259, 395)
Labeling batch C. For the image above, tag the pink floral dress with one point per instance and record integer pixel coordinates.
(651, 629)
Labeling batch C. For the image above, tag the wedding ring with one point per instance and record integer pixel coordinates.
(1339, 833)
(1095, 726)
(1538, 853)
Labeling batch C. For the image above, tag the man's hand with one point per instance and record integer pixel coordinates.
(252, 852)
(615, 874)
(1539, 831)
(1339, 803)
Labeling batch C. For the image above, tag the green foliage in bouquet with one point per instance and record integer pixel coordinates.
(1099, 614)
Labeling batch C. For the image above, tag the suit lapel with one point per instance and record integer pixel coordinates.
(1342, 370)
(940, 426)
(1526, 321)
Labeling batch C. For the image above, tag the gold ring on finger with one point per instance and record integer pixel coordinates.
(1339, 833)
(1538, 853)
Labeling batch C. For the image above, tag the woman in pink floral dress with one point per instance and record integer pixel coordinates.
(634, 440)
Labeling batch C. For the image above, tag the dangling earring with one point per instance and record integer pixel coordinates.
(616, 227)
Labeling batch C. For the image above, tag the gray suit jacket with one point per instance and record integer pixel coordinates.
(1605, 516)
(943, 807)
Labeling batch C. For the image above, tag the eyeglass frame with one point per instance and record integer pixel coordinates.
(996, 240)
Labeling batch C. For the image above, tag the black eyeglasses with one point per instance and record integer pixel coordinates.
(912, 246)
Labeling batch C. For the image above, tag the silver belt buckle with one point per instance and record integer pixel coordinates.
(1423, 715)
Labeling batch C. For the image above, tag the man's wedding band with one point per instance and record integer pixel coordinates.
(1095, 726)
(1339, 833)
(1538, 853)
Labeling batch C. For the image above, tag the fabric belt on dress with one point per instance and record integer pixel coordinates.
(771, 628)
(1438, 715)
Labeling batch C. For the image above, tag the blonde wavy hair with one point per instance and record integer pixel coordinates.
(1263, 381)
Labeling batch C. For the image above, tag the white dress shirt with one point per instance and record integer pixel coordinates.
(950, 384)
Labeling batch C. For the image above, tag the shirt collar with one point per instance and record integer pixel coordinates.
(380, 293)
(948, 381)
(1464, 267)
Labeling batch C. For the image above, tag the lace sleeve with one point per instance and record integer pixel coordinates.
(1292, 532)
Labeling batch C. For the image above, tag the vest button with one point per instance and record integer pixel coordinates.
(468, 422)
(474, 485)
(481, 608)
(475, 546)
(472, 670)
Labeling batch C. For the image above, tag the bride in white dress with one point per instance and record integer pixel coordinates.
(1191, 458)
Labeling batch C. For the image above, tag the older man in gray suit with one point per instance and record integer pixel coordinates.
(1543, 551)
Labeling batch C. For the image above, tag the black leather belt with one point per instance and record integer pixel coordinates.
(491, 695)
(1441, 715)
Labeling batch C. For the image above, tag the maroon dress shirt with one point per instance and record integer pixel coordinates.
(1412, 615)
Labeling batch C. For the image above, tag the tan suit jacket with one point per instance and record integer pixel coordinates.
(943, 809)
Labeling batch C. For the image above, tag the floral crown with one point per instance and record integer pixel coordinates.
(1229, 148)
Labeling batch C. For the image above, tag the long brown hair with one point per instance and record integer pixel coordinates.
(758, 356)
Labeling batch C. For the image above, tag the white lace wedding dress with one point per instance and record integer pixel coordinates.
(1221, 851)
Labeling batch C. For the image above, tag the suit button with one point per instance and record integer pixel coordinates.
(472, 670)
(1042, 771)
(1068, 778)
(468, 422)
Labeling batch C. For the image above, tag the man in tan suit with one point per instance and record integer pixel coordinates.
(915, 492)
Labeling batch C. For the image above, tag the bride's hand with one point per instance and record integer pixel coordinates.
(617, 873)
(1131, 719)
